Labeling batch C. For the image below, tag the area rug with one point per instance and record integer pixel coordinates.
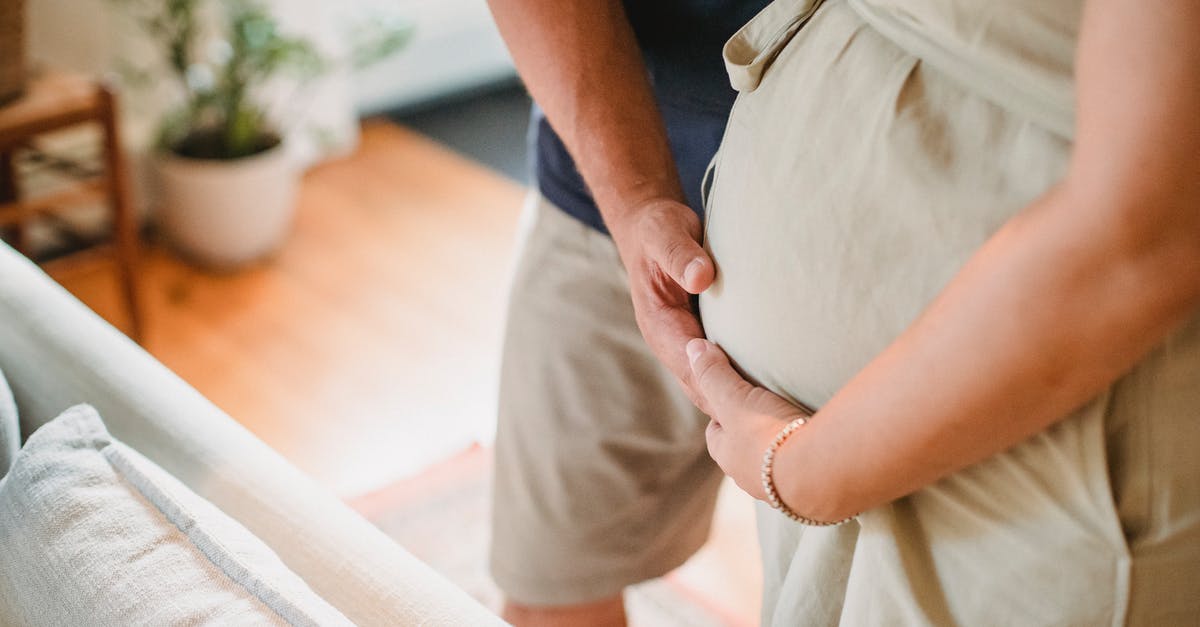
(441, 517)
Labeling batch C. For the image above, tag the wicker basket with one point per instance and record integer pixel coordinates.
(12, 49)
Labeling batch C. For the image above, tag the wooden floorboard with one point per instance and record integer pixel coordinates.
(367, 348)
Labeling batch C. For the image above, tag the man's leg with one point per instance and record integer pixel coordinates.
(602, 475)
(608, 612)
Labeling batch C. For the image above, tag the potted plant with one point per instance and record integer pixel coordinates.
(227, 187)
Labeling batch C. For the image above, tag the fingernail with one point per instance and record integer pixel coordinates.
(696, 348)
(692, 270)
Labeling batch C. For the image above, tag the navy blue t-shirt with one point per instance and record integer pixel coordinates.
(681, 43)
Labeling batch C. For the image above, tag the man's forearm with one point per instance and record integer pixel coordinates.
(581, 63)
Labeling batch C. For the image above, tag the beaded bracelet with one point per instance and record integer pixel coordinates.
(768, 478)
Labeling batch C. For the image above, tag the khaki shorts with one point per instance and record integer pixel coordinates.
(602, 476)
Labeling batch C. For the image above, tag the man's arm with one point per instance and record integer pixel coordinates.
(1069, 295)
(580, 61)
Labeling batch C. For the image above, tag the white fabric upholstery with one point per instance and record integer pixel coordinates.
(56, 354)
(92, 533)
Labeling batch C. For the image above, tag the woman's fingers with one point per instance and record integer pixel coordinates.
(715, 439)
(715, 378)
(745, 418)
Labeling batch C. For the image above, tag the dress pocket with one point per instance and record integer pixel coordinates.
(754, 46)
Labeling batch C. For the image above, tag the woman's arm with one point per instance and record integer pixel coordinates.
(1066, 297)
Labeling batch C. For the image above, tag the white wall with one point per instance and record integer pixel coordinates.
(455, 46)
(76, 34)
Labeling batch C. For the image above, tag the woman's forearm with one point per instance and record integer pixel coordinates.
(1043, 318)
(1051, 310)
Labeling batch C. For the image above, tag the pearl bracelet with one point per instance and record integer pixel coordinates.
(768, 477)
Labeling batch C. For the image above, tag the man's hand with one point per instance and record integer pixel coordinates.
(659, 245)
(581, 62)
(745, 418)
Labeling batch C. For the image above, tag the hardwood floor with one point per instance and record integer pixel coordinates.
(368, 349)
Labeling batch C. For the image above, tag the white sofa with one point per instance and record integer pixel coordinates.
(56, 353)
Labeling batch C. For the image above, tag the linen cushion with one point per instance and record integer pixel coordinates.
(94, 533)
(10, 436)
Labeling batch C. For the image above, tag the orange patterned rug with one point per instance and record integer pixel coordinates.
(441, 516)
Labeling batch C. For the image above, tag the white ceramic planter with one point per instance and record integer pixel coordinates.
(224, 214)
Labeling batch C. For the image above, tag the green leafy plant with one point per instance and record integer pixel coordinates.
(219, 54)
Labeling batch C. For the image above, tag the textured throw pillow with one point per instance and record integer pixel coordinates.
(10, 434)
(93, 533)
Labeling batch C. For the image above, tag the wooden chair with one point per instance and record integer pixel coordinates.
(53, 101)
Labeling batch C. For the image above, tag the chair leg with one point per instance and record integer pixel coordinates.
(10, 191)
(124, 222)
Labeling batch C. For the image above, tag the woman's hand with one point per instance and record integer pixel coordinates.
(745, 418)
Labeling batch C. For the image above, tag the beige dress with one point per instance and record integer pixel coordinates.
(875, 145)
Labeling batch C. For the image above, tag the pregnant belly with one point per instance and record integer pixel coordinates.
(850, 187)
